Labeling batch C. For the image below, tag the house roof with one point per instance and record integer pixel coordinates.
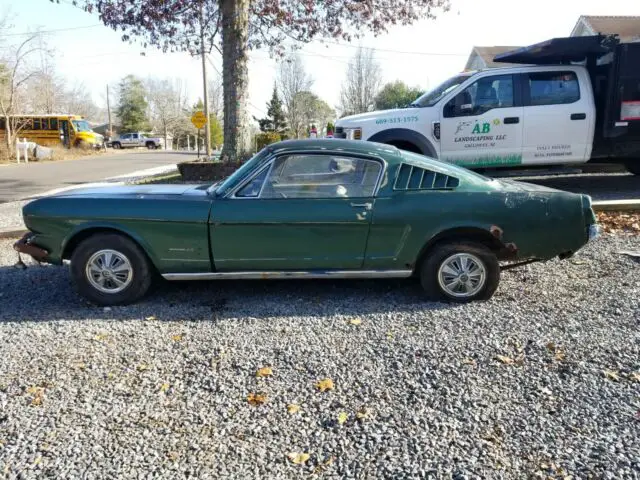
(488, 53)
(626, 26)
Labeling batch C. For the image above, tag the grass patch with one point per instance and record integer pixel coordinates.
(164, 179)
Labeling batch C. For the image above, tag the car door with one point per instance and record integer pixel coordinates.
(125, 139)
(135, 140)
(558, 118)
(301, 211)
(482, 125)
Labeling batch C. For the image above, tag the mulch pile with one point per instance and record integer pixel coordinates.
(619, 222)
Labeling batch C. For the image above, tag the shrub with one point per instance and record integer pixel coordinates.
(266, 138)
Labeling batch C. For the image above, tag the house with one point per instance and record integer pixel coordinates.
(628, 28)
(482, 57)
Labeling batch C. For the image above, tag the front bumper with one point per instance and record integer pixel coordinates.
(24, 246)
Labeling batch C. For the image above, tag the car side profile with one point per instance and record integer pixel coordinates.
(309, 209)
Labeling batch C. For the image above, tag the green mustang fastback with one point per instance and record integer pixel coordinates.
(310, 209)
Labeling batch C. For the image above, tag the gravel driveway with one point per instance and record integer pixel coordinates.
(541, 382)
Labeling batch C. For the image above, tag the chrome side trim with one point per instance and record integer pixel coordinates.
(271, 275)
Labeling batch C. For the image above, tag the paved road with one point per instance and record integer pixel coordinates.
(21, 181)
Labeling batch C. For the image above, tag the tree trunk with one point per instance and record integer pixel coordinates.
(235, 34)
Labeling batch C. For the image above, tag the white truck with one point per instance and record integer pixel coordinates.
(137, 139)
(572, 100)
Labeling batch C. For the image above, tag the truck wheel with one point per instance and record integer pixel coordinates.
(633, 167)
(110, 269)
(460, 272)
(151, 146)
(116, 145)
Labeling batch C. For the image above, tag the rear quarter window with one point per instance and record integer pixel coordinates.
(553, 88)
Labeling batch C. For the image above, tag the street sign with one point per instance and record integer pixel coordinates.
(199, 119)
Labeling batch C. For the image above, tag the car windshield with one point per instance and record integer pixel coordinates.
(81, 125)
(432, 97)
(235, 177)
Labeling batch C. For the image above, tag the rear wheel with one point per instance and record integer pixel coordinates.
(151, 146)
(116, 145)
(110, 269)
(633, 166)
(460, 272)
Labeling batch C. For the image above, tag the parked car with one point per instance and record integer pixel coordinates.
(133, 140)
(570, 101)
(309, 209)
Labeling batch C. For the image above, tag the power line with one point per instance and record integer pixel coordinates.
(50, 31)
(397, 51)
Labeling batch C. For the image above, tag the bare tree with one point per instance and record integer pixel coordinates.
(77, 100)
(292, 80)
(167, 105)
(15, 73)
(216, 99)
(361, 84)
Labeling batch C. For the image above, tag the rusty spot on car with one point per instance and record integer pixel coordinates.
(496, 231)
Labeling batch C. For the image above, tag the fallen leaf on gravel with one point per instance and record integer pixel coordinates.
(325, 384)
(173, 456)
(101, 336)
(355, 321)
(551, 346)
(342, 417)
(635, 376)
(164, 387)
(264, 372)
(389, 335)
(469, 361)
(363, 414)
(142, 367)
(151, 318)
(80, 365)
(292, 408)
(559, 356)
(504, 359)
(176, 338)
(256, 398)
(298, 458)
(38, 395)
(611, 375)
(324, 465)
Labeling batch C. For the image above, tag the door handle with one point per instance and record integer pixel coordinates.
(511, 120)
(366, 206)
(578, 116)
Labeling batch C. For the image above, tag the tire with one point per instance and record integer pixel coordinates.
(633, 167)
(151, 146)
(433, 275)
(125, 255)
(116, 145)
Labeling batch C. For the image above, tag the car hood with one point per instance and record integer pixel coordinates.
(358, 120)
(134, 191)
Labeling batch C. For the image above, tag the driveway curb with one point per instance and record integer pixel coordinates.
(12, 232)
(616, 205)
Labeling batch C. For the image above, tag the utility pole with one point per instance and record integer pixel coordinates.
(207, 128)
(109, 113)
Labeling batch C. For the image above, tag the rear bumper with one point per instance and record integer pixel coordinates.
(24, 246)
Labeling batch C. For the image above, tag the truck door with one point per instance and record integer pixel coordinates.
(482, 125)
(559, 118)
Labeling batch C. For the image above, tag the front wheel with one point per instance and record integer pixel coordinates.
(110, 269)
(460, 272)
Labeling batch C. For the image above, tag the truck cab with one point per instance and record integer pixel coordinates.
(545, 112)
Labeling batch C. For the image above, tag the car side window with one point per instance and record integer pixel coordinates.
(252, 189)
(134, 136)
(481, 96)
(319, 176)
(553, 88)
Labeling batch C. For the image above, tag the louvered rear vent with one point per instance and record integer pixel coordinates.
(416, 178)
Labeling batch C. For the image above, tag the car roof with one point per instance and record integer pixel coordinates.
(335, 145)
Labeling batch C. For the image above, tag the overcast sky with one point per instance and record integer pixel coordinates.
(423, 54)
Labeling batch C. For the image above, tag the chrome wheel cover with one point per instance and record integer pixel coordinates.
(462, 275)
(109, 271)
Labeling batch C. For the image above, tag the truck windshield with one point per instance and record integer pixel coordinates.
(432, 97)
(81, 125)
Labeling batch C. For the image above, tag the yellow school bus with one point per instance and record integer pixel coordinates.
(51, 130)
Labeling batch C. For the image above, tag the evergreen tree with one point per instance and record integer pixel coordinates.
(275, 120)
(132, 105)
